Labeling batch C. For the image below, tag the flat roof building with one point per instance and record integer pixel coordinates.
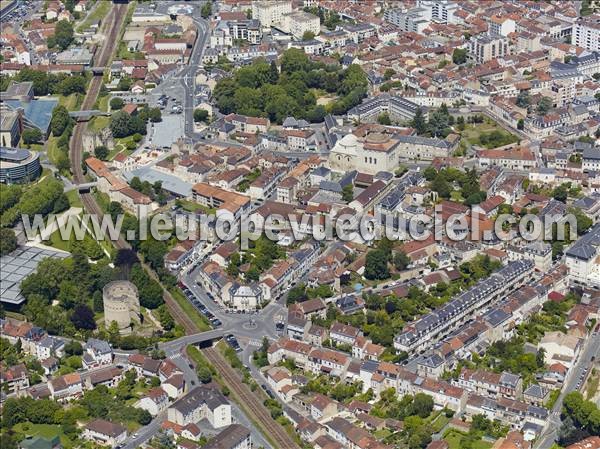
(18, 165)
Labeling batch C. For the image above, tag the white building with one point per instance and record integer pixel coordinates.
(540, 253)
(581, 259)
(485, 47)
(99, 351)
(105, 433)
(439, 10)
(155, 401)
(591, 160)
(270, 13)
(501, 26)
(586, 32)
(201, 403)
(299, 22)
(560, 348)
(414, 20)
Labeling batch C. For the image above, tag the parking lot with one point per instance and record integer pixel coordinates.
(214, 321)
(20, 12)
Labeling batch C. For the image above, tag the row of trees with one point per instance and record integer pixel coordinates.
(378, 260)
(42, 198)
(63, 35)
(438, 125)
(123, 124)
(49, 83)
(444, 181)
(76, 286)
(62, 126)
(581, 419)
(101, 402)
(260, 90)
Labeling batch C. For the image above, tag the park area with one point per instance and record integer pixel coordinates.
(487, 134)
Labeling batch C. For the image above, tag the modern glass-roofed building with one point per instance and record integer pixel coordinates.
(36, 113)
(18, 165)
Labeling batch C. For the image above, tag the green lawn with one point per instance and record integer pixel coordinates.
(71, 102)
(52, 149)
(120, 145)
(73, 197)
(103, 103)
(103, 200)
(473, 133)
(453, 438)
(98, 123)
(439, 422)
(44, 431)
(57, 242)
(98, 13)
(190, 310)
(192, 206)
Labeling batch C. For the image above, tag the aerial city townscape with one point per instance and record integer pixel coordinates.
(296, 224)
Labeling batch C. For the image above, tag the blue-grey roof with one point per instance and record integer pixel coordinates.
(585, 247)
(330, 186)
(169, 182)
(13, 154)
(321, 171)
(99, 346)
(591, 153)
(38, 113)
(369, 366)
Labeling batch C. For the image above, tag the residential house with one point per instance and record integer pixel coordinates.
(105, 432)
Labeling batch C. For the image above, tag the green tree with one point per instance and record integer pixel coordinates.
(101, 152)
(544, 105)
(422, 405)
(206, 10)
(459, 56)
(8, 241)
(523, 99)
(63, 34)
(583, 221)
(348, 193)
(200, 115)
(32, 135)
(116, 103)
(124, 84)
(521, 124)
(401, 260)
(418, 122)
(384, 119)
(376, 265)
(60, 120)
(154, 115)
(204, 374)
(308, 36)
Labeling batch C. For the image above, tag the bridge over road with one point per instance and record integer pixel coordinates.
(194, 339)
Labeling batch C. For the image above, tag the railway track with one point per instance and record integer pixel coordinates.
(114, 19)
(255, 407)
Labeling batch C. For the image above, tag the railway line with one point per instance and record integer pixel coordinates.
(271, 428)
(114, 21)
